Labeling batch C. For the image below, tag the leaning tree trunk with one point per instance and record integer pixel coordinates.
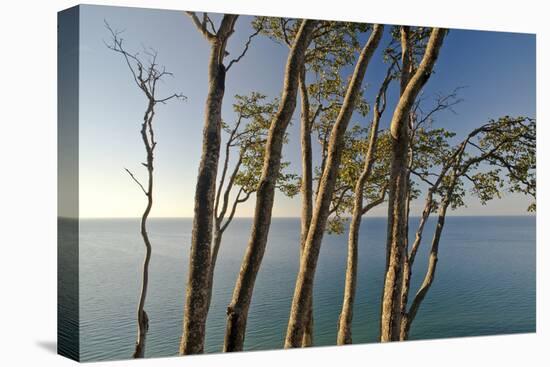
(409, 262)
(197, 294)
(346, 315)
(432, 264)
(308, 262)
(306, 187)
(409, 315)
(237, 311)
(397, 219)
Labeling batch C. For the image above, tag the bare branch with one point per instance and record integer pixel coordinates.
(247, 44)
(179, 96)
(137, 181)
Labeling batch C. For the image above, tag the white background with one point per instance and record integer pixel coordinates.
(28, 181)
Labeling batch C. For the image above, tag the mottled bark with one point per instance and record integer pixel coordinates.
(308, 261)
(398, 189)
(237, 311)
(346, 315)
(198, 293)
(306, 185)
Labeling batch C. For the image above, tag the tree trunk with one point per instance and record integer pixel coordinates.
(197, 294)
(237, 311)
(306, 186)
(432, 264)
(346, 315)
(409, 261)
(397, 219)
(308, 261)
(143, 319)
(213, 258)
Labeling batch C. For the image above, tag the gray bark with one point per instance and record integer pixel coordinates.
(237, 311)
(397, 219)
(346, 315)
(308, 261)
(198, 293)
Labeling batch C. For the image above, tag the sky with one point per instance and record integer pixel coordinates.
(495, 69)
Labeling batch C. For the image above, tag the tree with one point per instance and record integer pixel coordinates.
(146, 75)
(398, 185)
(500, 154)
(237, 311)
(428, 148)
(334, 46)
(248, 135)
(304, 283)
(198, 291)
(358, 210)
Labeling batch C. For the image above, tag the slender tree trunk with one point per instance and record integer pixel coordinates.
(237, 311)
(397, 220)
(432, 264)
(308, 262)
(143, 319)
(407, 265)
(215, 248)
(197, 294)
(346, 315)
(306, 187)
(219, 229)
(307, 170)
(407, 268)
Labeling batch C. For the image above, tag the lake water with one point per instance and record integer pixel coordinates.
(485, 283)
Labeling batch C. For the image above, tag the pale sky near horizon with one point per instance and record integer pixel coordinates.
(497, 70)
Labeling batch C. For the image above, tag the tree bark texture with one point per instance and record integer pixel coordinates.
(198, 293)
(237, 311)
(308, 262)
(397, 219)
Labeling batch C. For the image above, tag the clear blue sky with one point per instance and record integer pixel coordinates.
(497, 69)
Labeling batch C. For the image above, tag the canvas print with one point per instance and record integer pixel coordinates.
(240, 182)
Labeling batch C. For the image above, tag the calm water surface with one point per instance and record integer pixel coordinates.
(485, 283)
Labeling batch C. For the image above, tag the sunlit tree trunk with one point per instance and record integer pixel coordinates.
(308, 262)
(237, 311)
(398, 189)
